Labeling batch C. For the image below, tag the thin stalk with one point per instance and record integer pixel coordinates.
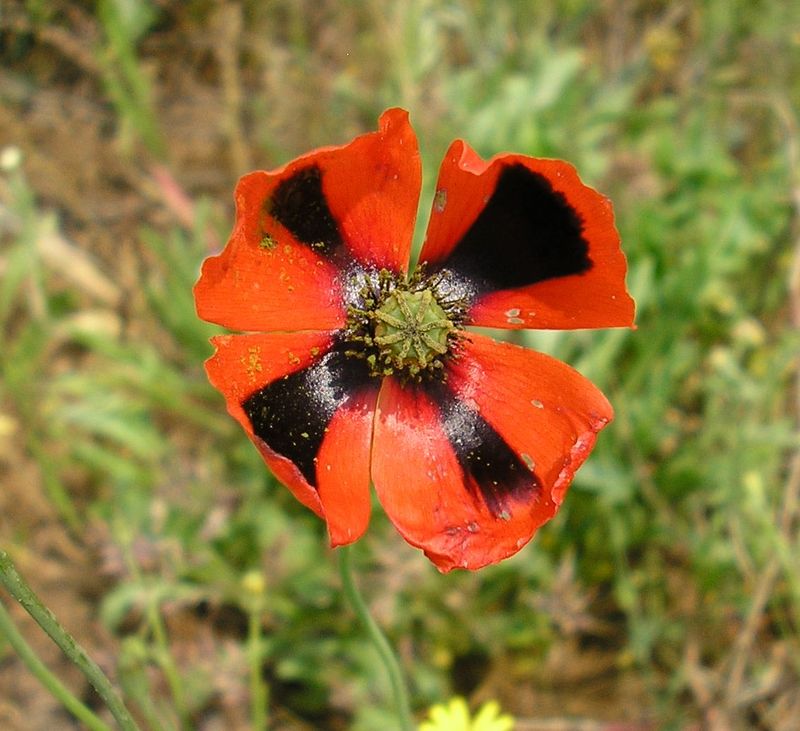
(387, 655)
(166, 660)
(259, 693)
(19, 589)
(39, 670)
(162, 653)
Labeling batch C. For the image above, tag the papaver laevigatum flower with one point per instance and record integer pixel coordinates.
(349, 370)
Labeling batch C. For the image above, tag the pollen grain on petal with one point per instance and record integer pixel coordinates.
(252, 363)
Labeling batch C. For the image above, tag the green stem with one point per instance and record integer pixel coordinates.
(161, 650)
(56, 688)
(396, 679)
(19, 589)
(259, 698)
(165, 659)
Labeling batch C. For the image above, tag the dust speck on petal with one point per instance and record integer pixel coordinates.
(512, 316)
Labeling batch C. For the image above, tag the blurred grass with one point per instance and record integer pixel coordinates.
(674, 560)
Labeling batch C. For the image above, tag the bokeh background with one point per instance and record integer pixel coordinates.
(666, 593)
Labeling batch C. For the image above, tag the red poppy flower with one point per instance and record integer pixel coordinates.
(361, 372)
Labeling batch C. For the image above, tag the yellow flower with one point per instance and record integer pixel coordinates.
(455, 716)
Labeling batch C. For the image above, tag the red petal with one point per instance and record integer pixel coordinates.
(418, 479)
(546, 412)
(245, 364)
(422, 489)
(242, 364)
(259, 283)
(372, 186)
(595, 298)
(343, 469)
(272, 277)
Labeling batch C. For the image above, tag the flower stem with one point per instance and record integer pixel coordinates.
(259, 692)
(56, 688)
(165, 659)
(19, 589)
(387, 655)
(161, 649)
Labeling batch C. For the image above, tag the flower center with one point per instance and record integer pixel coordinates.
(403, 327)
(411, 329)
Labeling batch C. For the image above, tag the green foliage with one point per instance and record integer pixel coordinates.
(124, 23)
(683, 114)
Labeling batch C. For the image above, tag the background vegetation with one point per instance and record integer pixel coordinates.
(665, 595)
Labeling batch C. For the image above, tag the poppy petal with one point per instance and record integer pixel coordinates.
(468, 470)
(343, 476)
(372, 187)
(299, 230)
(434, 490)
(265, 279)
(527, 243)
(300, 400)
(547, 412)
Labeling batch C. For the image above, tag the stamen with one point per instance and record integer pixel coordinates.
(403, 327)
